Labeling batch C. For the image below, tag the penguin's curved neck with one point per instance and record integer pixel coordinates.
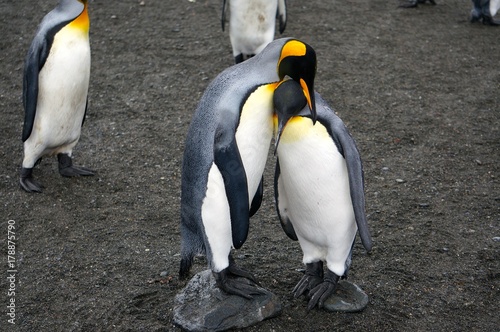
(82, 22)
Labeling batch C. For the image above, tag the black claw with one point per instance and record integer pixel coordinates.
(66, 167)
(414, 3)
(319, 294)
(239, 272)
(487, 20)
(28, 183)
(237, 281)
(231, 284)
(312, 277)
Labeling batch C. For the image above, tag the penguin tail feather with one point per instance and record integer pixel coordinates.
(186, 263)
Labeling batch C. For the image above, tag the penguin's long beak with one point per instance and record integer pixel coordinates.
(289, 99)
(309, 94)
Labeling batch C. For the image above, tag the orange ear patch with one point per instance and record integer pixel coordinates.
(292, 48)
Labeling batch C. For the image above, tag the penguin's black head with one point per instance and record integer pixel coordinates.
(298, 60)
(289, 99)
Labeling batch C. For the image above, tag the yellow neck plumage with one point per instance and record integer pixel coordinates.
(82, 22)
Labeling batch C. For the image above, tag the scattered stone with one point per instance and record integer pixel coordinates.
(163, 273)
(400, 180)
(496, 239)
(202, 306)
(424, 205)
(348, 297)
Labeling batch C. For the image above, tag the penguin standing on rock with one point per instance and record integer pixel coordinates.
(252, 25)
(55, 87)
(319, 190)
(225, 154)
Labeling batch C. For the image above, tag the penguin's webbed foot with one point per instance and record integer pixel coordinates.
(414, 3)
(488, 20)
(319, 294)
(66, 167)
(28, 183)
(228, 281)
(313, 276)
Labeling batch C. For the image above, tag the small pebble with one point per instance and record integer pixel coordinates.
(496, 239)
(423, 205)
(400, 180)
(163, 274)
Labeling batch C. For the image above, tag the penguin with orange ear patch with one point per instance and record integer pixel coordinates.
(55, 87)
(319, 189)
(225, 154)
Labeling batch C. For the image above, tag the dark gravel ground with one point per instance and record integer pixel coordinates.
(418, 88)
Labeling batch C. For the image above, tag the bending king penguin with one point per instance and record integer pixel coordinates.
(225, 153)
(56, 82)
(319, 189)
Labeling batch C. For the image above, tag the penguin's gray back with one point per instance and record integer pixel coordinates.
(215, 122)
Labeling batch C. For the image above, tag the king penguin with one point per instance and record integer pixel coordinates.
(252, 25)
(319, 189)
(225, 153)
(55, 87)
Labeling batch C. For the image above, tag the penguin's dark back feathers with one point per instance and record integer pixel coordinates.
(346, 146)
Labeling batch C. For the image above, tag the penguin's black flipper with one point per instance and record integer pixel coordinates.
(65, 12)
(285, 222)
(228, 160)
(257, 198)
(281, 15)
(347, 147)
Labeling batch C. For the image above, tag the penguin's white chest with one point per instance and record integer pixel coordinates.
(315, 182)
(251, 25)
(63, 88)
(254, 134)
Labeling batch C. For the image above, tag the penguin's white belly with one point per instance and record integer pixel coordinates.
(216, 219)
(253, 138)
(62, 94)
(494, 7)
(251, 25)
(254, 135)
(316, 184)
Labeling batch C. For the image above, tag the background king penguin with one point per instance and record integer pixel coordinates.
(225, 154)
(55, 87)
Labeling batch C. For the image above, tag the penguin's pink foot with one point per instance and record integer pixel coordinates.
(67, 169)
(28, 183)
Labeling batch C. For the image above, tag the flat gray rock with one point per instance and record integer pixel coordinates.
(348, 297)
(202, 306)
